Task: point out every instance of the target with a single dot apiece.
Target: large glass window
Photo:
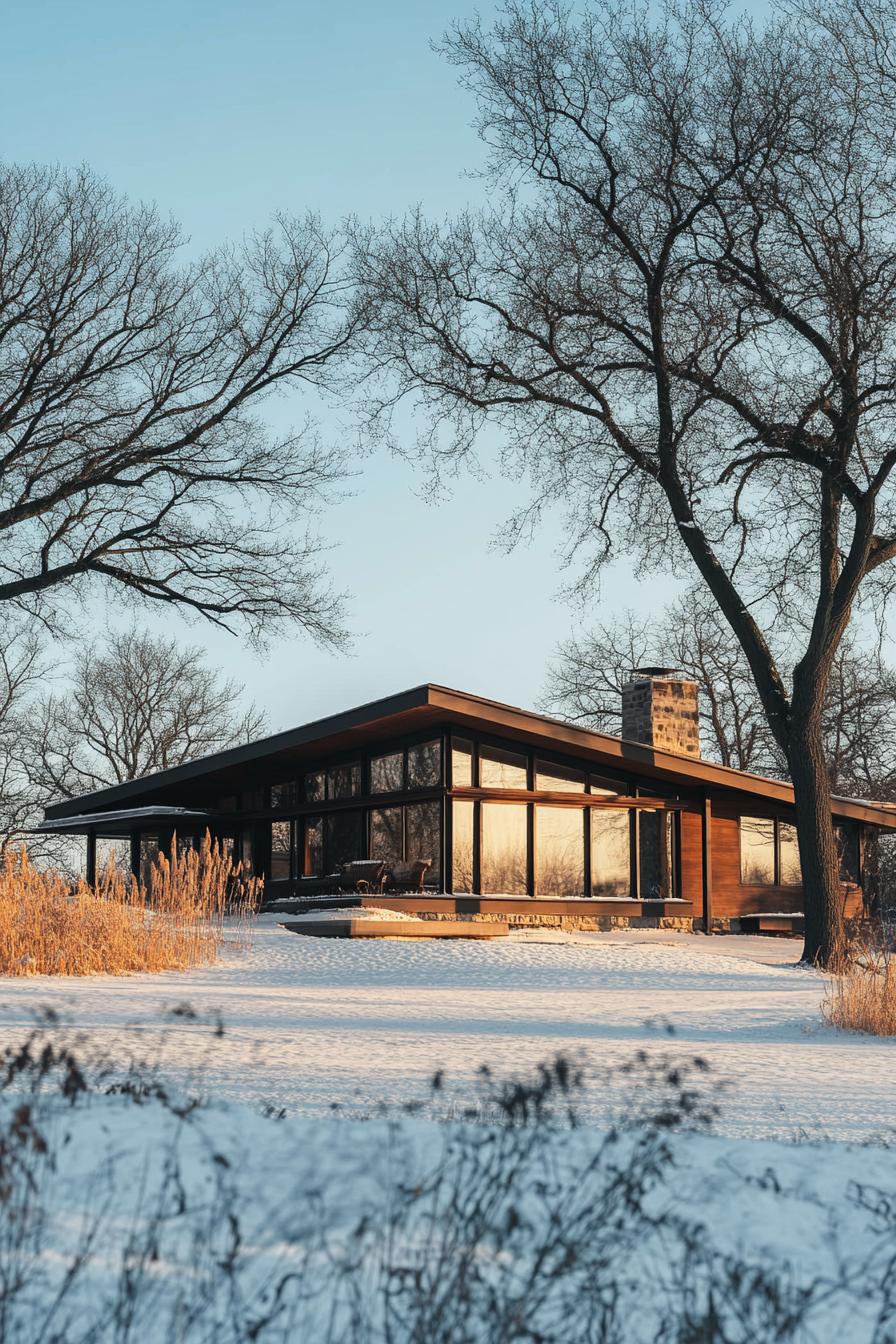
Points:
(424, 836)
(386, 834)
(606, 788)
(790, 873)
(343, 830)
(504, 848)
(848, 850)
(611, 871)
(757, 851)
(462, 844)
(425, 765)
(247, 853)
(461, 763)
(387, 773)
(558, 778)
(315, 790)
(284, 795)
(499, 769)
(655, 853)
(281, 850)
(313, 847)
(344, 781)
(559, 851)
(149, 852)
(253, 800)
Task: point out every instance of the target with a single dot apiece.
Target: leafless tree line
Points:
(119, 709)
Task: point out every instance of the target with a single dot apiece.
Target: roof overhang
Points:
(421, 708)
(123, 821)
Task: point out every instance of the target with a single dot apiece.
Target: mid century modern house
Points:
(520, 815)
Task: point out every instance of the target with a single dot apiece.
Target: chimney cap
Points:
(659, 672)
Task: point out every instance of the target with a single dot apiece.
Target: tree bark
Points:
(819, 860)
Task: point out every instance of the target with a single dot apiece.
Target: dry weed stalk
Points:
(862, 997)
(50, 926)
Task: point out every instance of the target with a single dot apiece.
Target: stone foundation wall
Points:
(585, 923)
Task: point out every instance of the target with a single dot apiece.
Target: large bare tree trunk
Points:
(822, 894)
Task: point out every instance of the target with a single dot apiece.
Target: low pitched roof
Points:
(428, 706)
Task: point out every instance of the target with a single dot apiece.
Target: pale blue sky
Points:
(223, 113)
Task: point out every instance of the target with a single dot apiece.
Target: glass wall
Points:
(560, 851)
(656, 860)
(313, 847)
(281, 851)
(387, 773)
(462, 843)
(503, 860)
(424, 836)
(611, 864)
(757, 851)
(343, 839)
(461, 763)
(790, 873)
(315, 786)
(386, 834)
(425, 765)
(344, 781)
(500, 769)
(558, 778)
(284, 795)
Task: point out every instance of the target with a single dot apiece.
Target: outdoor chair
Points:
(362, 875)
(408, 876)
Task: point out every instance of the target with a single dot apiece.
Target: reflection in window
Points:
(558, 779)
(284, 795)
(504, 848)
(314, 787)
(343, 838)
(790, 874)
(281, 850)
(313, 847)
(611, 872)
(847, 835)
(149, 852)
(387, 773)
(114, 853)
(655, 854)
(559, 851)
(246, 853)
(344, 781)
(461, 763)
(607, 788)
(462, 844)
(386, 834)
(424, 836)
(757, 851)
(500, 769)
(425, 765)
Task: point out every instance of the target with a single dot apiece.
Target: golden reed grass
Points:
(50, 926)
(863, 996)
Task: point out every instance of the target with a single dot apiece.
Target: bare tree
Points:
(130, 384)
(680, 306)
(587, 673)
(140, 704)
(23, 669)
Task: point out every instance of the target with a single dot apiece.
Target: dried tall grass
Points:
(863, 996)
(48, 926)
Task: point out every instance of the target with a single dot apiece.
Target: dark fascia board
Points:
(492, 714)
(319, 729)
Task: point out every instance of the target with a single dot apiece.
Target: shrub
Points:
(48, 926)
(863, 996)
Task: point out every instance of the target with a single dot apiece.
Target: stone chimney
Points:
(659, 708)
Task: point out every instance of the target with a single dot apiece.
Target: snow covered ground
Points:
(311, 1022)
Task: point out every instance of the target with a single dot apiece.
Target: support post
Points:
(706, 849)
(91, 859)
